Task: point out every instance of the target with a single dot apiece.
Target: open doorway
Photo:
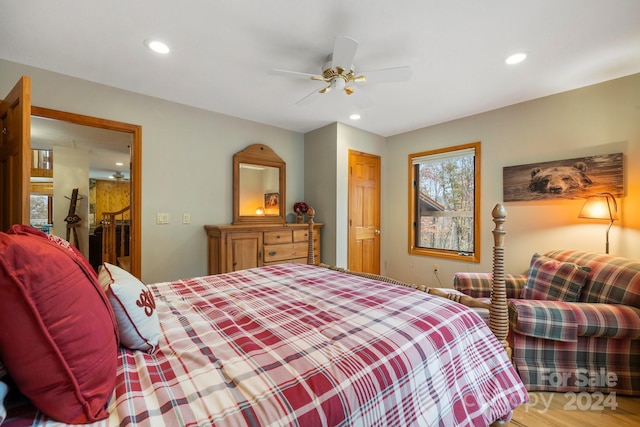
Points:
(102, 159)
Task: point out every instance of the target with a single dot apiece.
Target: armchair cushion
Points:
(613, 279)
(553, 280)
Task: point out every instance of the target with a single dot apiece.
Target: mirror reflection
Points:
(259, 190)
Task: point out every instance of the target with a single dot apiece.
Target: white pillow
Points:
(134, 307)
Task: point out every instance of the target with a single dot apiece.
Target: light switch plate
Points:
(162, 218)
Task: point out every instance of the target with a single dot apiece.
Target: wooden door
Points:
(244, 250)
(364, 212)
(15, 155)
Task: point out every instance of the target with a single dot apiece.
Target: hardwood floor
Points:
(579, 409)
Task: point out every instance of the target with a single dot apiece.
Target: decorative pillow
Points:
(75, 253)
(59, 338)
(554, 280)
(134, 307)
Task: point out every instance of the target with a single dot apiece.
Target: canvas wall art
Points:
(564, 179)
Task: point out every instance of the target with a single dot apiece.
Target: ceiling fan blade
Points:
(344, 50)
(387, 75)
(297, 75)
(312, 97)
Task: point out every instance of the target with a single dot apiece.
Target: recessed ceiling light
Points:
(355, 117)
(516, 58)
(156, 46)
(119, 164)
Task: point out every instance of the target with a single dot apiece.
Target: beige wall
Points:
(599, 119)
(327, 178)
(186, 162)
(320, 184)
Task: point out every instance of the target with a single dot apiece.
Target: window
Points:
(444, 194)
(41, 211)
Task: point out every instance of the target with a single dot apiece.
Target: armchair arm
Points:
(478, 285)
(566, 321)
(608, 320)
(552, 320)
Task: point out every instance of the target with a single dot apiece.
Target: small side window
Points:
(444, 194)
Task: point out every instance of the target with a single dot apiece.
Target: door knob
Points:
(377, 231)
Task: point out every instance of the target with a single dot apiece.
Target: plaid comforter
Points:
(302, 345)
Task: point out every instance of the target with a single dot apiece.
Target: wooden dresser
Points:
(238, 247)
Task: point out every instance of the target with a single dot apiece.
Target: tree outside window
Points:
(41, 207)
(444, 216)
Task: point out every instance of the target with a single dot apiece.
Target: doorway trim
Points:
(135, 170)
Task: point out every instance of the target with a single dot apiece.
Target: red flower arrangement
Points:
(300, 208)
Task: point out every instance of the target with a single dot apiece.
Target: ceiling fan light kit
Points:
(338, 72)
(118, 176)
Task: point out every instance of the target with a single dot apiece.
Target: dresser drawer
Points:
(301, 235)
(274, 253)
(277, 237)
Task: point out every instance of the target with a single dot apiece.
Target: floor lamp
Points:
(601, 206)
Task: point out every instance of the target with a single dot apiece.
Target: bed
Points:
(296, 344)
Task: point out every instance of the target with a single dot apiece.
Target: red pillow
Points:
(58, 338)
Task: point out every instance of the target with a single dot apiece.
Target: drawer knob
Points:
(272, 253)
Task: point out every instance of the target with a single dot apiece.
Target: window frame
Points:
(413, 212)
(49, 204)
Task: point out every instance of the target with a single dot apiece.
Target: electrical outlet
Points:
(436, 268)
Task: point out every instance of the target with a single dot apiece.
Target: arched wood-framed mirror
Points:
(135, 171)
(259, 186)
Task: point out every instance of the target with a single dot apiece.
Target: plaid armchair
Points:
(574, 321)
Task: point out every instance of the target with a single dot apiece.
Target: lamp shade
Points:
(600, 206)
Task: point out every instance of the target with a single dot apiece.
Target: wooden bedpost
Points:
(311, 259)
(498, 311)
(499, 314)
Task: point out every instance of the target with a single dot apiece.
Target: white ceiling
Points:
(222, 52)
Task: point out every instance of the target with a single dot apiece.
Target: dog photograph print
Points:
(564, 179)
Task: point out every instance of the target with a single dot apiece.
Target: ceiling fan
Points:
(339, 74)
(118, 176)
